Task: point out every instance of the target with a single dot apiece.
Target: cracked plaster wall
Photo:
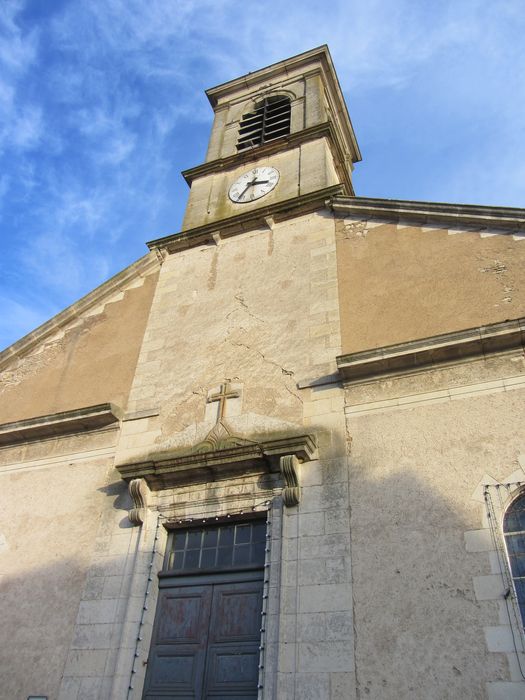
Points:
(252, 310)
(399, 282)
(261, 310)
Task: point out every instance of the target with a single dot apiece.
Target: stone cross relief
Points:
(221, 398)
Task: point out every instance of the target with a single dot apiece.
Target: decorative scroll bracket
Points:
(139, 492)
(290, 471)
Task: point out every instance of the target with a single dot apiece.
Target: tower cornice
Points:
(250, 220)
(326, 130)
(315, 58)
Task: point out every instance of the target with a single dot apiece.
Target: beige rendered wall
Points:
(90, 361)
(429, 613)
(53, 497)
(399, 283)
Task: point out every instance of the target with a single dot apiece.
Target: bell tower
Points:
(281, 139)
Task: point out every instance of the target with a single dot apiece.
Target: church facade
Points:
(281, 455)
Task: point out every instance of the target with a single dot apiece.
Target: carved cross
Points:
(224, 393)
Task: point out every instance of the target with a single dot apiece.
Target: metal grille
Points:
(270, 120)
(497, 502)
(514, 530)
(228, 546)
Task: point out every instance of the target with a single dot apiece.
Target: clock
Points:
(254, 184)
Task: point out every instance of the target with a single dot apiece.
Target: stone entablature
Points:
(498, 219)
(216, 459)
(441, 349)
(58, 424)
(246, 221)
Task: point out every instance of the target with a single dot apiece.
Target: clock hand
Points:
(245, 190)
(259, 182)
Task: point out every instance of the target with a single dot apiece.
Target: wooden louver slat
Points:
(270, 120)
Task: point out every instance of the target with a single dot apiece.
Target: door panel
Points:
(205, 643)
(232, 664)
(177, 658)
(236, 612)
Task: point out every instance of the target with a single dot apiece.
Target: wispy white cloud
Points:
(20, 119)
(18, 318)
(101, 105)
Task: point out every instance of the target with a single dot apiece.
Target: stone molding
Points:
(247, 221)
(290, 471)
(205, 463)
(139, 492)
(324, 130)
(448, 348)
(502, 219)
(58, 424)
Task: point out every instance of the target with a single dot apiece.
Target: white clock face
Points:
(254, 184)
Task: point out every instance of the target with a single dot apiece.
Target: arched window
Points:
(514, 531)
(269, 120)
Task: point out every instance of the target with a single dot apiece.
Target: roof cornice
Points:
(233, 225)
(508, 219)
(428, 353)
(214, 94)
(59, 424)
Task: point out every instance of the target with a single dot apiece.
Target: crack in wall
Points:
(238, 297)
(285, 372)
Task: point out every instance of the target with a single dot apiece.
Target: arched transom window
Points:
(514, 531)
(269, 120)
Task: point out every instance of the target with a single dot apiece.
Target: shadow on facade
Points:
(418, 627)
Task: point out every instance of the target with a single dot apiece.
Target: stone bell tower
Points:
(289, 119)
(237, 417)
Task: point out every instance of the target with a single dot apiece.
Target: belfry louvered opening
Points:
(269, 120)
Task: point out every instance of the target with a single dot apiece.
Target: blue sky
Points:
(102, 106)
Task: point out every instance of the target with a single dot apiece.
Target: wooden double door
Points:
(206, 638)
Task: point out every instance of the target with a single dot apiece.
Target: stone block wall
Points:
(53, 494)
(428, 600)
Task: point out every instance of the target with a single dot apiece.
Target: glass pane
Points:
(258, 553)
(243, 534)
(208, 558)
(222, 546)
(194, 539)
(515, 544)
(520, 589)
(177, 559)
(179, 540)
(210, 538)
(515, 517)
(517, 565)
(224, 557)
(191, 560)
(511, 523)
(226, 536)
(259, 532)
(241, 554)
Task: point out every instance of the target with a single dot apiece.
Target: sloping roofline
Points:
(140, 268)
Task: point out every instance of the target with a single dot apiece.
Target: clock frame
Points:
(254, 184)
